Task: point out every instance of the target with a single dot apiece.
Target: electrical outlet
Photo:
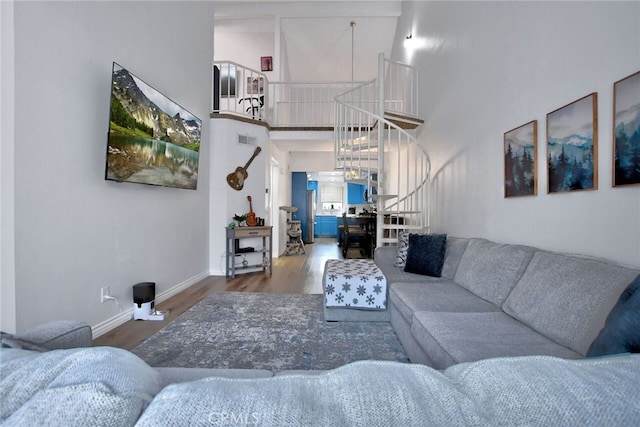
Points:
(104, 293)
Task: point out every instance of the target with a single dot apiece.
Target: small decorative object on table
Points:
(251, 216)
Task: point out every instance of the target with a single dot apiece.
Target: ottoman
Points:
(354, 290)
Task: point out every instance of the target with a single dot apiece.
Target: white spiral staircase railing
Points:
(375, 146)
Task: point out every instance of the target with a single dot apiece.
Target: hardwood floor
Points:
(291, 274)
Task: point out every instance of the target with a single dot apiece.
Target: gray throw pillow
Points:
(426, 254)
(403, 247)
(621, 332)
(9, 341)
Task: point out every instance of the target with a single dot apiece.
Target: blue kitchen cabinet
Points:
(355, 193)
(326, 226)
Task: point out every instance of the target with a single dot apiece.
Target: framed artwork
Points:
(572, 146)
(255, 85)
(266, 63)
(521, 161)
(626, 131)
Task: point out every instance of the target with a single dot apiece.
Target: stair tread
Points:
(360, 158)
(401, 227)
(361, 181)
(360, 147)
(383, 196)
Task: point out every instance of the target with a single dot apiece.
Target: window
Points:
(331, 193)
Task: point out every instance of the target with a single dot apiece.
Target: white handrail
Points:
(242, 91)
(400, 87)
(368, 145)
(239, 90)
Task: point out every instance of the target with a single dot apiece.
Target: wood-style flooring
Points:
(291, 274)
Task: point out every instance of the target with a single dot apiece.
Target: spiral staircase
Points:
(375, 146)
(374, 126)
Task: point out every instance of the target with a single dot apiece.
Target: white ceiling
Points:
(317, 35)
(317, 39)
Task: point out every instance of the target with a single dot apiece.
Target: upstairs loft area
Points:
(244, 94)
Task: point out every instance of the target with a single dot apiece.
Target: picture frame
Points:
(255, 85)
(520, 152)
(266, 63)
(572, 146)
(626, 131)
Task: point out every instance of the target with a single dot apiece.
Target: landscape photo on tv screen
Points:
(152, 140)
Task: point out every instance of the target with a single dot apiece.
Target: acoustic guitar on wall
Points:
(236, 179)
(252, 221)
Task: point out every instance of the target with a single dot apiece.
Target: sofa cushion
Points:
(439, 295)
(491, 270)
(59, 334)
(450, 338)
(532, 391)
(621, 332)
(175, 375)
(10, 341)
(455, 248)
(75, 387)
(426, 254)
(567, 297)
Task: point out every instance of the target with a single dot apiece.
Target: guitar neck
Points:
(255, 153)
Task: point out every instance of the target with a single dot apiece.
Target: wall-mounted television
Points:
(152, 140)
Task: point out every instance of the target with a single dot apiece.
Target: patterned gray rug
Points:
(266, 331)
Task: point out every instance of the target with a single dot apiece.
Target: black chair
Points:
(355, 237)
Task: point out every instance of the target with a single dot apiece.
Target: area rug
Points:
(266, 331)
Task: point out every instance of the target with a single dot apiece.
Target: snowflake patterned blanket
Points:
(354, 283)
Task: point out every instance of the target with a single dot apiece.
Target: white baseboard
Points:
(123, 317)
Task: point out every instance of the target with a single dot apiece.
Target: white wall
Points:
(498, 65)
(312, 161)
(245, 49)
(226, 156)
(7, 235)
(76, 232)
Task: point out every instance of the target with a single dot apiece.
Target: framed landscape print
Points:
(520, 161)
(626, 131)
(572, 146)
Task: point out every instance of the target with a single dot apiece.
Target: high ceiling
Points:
(317, 36)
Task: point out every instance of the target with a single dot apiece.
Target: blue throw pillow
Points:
(621, 332)
(426, 254)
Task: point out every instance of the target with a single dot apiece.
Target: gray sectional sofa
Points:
(105, 386)
(502, 327)
(496, 300)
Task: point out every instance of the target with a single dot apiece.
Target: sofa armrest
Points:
(385, 255)
(59, 334)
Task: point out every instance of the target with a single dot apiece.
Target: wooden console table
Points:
(263, 262)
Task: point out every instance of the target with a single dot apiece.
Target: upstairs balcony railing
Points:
(244, 92)
(400, 88)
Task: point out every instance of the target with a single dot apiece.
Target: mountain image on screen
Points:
(152, 140)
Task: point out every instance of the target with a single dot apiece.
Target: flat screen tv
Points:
(152, 140)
